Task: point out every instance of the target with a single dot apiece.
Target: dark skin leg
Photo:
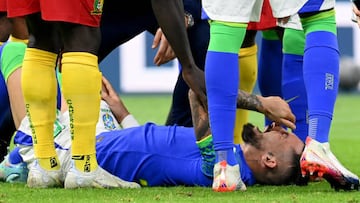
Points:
(5, 27)
(170, 16)
(19, 29)
(249, 39)
(250, 35)
(80, 38)
(42, 34)
(66, 36)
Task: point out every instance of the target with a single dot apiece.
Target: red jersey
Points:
(84, 12)
(2, 5)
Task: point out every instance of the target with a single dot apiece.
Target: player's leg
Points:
(321, 43)
(321, 51)
(7, 127)
(180, 112)
(293, 87)
(222, 79)
(247, 74)
(19, 30)
(5, 26)
(11, 169)
(121, 22)
(13, 57)
(81, 87)
(227, 31)
(40, 100)
(12, 104)
(270, 64)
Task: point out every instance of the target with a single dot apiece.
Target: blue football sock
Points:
(222, 79)
(222, 104)
(321, 77)
(227, 155)
(294, 92)
(14, 156)
(269, 68)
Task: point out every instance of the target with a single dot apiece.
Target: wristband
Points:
(129, 121)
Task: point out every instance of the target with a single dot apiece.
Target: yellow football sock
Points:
(39, 89)
(248, 74)
(81, 81)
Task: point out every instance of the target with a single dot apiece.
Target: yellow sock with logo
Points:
(38, 84)
(248, 74)
(81, 81)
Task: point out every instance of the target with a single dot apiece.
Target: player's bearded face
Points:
(250, 136)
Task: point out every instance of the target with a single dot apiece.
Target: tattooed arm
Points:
(200, 117)
(273, 107)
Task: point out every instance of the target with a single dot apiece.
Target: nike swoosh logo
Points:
(292, 99)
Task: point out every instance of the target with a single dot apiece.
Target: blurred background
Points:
(130, 67)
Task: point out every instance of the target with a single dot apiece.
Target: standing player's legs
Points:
(222, 79)
(40, 100)
(81, 85)
(293, 87)
(321, 71)
(247, 73)
(227, 30)
(321, 77)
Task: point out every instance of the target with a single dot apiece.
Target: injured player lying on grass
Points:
(155, 155)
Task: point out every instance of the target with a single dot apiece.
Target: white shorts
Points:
(283, 8)
(238, 11)
(293, 23)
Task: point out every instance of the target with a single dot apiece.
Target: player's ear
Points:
(269, 160)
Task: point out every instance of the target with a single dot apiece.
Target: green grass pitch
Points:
(345, 144)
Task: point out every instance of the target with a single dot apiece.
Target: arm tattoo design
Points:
(248, 101)
(200, 119)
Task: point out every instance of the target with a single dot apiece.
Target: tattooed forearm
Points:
(248, 101)
(199, 117)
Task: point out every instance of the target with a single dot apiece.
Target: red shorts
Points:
(84, 12)
(267, 20)
(2, 5)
